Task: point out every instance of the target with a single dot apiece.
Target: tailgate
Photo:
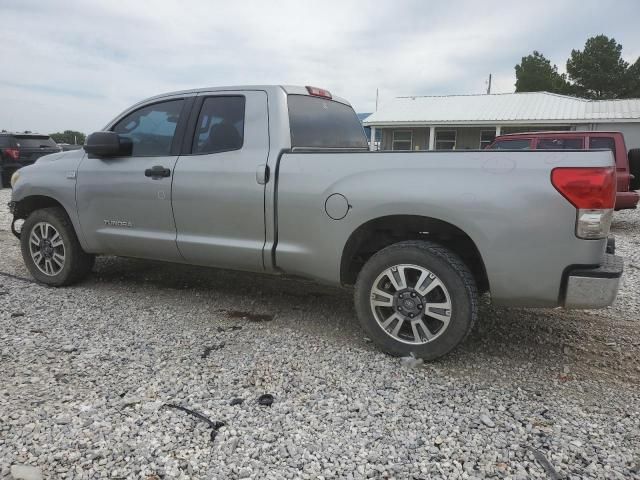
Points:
(30, 155)
(32, 147)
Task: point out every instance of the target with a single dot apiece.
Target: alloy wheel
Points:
(411, 304)
(47, 248)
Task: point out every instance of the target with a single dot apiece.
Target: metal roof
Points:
(503, 108)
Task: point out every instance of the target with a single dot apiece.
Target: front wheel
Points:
(50, 248)
(416, 298)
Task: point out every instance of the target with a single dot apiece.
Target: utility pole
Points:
(376, 99)
(489, 86)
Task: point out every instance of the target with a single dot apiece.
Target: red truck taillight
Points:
(12, 153)
(592, 190)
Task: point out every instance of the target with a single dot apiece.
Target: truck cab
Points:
(627, 163)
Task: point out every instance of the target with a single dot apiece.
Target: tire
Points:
(439, 277)
(634, 168)
(61, 261)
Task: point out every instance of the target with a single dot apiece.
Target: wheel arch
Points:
(27, 205)
(36, 201)
(378, 233)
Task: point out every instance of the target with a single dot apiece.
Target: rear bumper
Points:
(593, 287)
(626, 200)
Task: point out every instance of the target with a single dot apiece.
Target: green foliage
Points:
(535, 74)
(69, 136)
(598, 71)
(632, 83)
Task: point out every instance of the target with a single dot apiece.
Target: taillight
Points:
(319, 92)
(592, 190)
(12, 153)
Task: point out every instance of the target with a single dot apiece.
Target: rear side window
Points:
(220, 126)
(607, 143)
(35, 141)
(320, 123)
(512, 145)
(151, 128)
(560, 144)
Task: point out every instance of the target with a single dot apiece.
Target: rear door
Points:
(218, 187)
(124, 203)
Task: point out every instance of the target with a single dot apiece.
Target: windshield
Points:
(321, 123)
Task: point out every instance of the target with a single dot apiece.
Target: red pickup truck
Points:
(627, 164)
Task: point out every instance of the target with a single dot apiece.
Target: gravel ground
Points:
(86, 371)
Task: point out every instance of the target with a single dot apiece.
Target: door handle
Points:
(157, 171)
(262, 174)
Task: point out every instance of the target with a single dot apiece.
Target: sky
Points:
(76, 64)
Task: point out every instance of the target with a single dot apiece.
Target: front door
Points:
(124, 203)
(218, 189)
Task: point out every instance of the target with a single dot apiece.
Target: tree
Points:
(599, 70)
(536, 74)
(632, 82)
(69, 136)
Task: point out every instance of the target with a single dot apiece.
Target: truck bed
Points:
(522, 227)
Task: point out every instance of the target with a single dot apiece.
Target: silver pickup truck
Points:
(280, 179)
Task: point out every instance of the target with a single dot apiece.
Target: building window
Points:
(486, 138)
(402, 140)
(446, 140)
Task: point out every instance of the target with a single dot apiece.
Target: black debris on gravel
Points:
(208, 350)
(545, 464)
(236, 401)
(231, 328)
(215, 426)
(265, 399)
(252, 317)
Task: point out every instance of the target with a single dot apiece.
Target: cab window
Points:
(320, 123)
(151, 128)
(220, 126)
(607, 143)
(511, 145)
(560, 143)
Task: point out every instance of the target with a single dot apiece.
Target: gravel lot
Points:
(86, 370)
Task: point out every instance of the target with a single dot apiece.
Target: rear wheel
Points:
(416, 298)
(50, 248)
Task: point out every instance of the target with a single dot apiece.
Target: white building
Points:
(473, 121)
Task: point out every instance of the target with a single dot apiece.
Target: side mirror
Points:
(107, 144)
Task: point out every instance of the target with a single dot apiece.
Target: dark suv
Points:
(20, 149)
